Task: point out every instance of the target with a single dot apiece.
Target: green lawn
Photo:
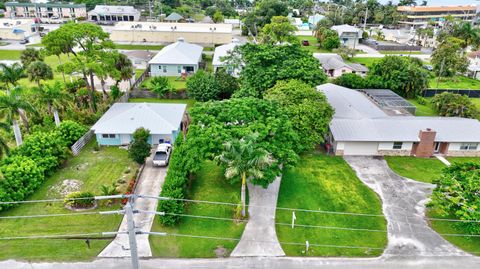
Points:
(10, 54)
(177, 82)
(138, 72)
(367, 61)
(405, 52)
(476, 101)
(463, 159)
(313, 47)
(90, 168)
(321, 182)
(457, 82)
(421, 169)
(138, 47)
(209, 185)
(423, 110)
(189, 102)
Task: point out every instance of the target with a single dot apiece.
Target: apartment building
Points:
(422, 15)
(45, 10)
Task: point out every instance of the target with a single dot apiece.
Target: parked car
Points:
(428, 67)
(162, 155)
(24, 41)
(305, 42)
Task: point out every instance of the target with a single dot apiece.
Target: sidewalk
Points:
(150, 183)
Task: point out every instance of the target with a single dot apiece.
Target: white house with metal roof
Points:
(175, 59)
(118, 124)
(349, 35)
(221, 52)
(360, 127)
(334, 66)
(103, 13)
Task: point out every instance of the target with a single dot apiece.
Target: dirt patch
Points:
(221, 252)
(65, 187)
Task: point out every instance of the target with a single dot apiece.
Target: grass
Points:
(209, 62)
(209, 185)
(177, 82)
(404, 52)
(10, 54)
(457, 82)
(314, 46)
(423, 110)
(138, 47)
(476, 101)
(138, 72)
(93, 169)
(322, 182)
(188, 102)
(367, 61)
(420, 169)
(463, 159)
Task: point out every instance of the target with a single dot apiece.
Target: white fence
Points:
(81, 142)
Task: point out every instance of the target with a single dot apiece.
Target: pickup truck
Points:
(162, 154)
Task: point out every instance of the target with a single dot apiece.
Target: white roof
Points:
(345, 28)
(180, 52)
(331, 61)
(357, 118)
(222, 51)
(178, 27)
(125, 118)
(102, 9)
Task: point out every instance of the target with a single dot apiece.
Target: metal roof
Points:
(177, 27)
(222, 51)
(61, 5)
(331, 61)
(125, 118)
(174, 17)
(345, 28)
(180, 52)
(102, 9)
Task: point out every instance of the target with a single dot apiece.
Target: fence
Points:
(383, 45)
(140, 79)
(469, 93)
(77, 147)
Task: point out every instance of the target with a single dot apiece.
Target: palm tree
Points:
(3, 144)
(11, 74)
(12, 107)
(244, 159)
(53, 96)
(124, 67)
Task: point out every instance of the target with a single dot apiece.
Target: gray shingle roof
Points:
(180, 52)
(331, 61)
(174, 17)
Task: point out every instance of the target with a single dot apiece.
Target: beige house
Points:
(45, 10)
(164, 32)
(16, 29)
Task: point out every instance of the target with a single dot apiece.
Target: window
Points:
(179, 69)
(468, 146)
(108, 135)
(397, 145)
(164, 69)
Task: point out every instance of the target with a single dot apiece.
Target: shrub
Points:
(421, 100)
(226, 83)
(203, 87)
(139, 148)
(21, 176)
(71, 131)
(160, 86)
(350, 80)
(454, 105)
(115, 92)
(85, 199)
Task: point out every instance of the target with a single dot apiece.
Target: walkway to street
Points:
(150, 183)
(260, 237)
(403, 202)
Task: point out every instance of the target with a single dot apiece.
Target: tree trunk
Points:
(24, 118)
(243, 192)
(56, 117)
(17, 132)
(92, 93)
(104, 92)
(63, 73)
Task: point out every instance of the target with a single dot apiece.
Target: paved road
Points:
(260, 230)
(263, 262)
(150, 183)
(404, 208)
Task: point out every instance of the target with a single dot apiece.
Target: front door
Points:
(436, 147)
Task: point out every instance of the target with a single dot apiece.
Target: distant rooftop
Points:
(174, 26)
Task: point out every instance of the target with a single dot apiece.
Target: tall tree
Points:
(38, 71)
(449, 58)
(124, 67)
(30, 55)
(14, 106)
(52, 96)
(11, 74)
(58, 43)
(279, 31)
(242, 158)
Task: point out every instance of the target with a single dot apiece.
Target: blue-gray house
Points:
(118, 124)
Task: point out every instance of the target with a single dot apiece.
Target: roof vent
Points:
(181, 39)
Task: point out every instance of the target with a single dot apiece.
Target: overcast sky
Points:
(441, 2)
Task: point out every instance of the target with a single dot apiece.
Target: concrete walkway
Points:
(263, 263)
(404, 208)
(150, 183)
(260, 230)
(443, 160)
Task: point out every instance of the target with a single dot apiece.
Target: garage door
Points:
(360, 148)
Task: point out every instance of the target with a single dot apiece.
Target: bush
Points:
(203, 87)
(421, 100)
(71, 131)
(350, 80)
(85, 199)
(160, 85)
(227, 84)
(115, 92)
(139, 148)
(454, 105)
(21, 176)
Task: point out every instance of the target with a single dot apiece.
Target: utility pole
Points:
(365, 20)
(132, 235)
(441, 71)
(150, 8)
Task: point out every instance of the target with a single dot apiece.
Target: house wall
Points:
(108, 141)
(132, 35)
(125, 139)
(349, 40)
(454, 150)
(371, 148)
(172, 70)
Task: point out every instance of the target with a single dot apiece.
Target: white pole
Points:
(132, 235)
(56, 117)
(293, 219)
(307, 245)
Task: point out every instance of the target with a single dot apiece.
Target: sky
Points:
(442, 2)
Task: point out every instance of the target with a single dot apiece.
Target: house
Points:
(220, 53)
(360, 127)
(16, 29)
(207, 19)
(139, 58)
(45, 10)
(174, 17)
(176, 59)
(165, 32)
(236, 23)
(102, 13)
(349, 35)
(314, 19)
(423, 15)
(334, 66)
(117, 125)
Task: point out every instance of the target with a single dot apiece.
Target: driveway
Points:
(150, 183)
(404, 208)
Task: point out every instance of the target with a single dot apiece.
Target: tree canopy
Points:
(454, 105)
(279, 31)
(449, 58)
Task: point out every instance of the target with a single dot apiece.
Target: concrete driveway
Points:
(404, 208)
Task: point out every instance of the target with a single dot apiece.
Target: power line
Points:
(49, 215)
(59, 200)
(56, 236)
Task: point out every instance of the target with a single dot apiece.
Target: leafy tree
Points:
(38, 71)
(350, 80)
(10, 75)
(202, 86)
(456, 194)
(217, 16)
(52, 96)
(30, 55)
(139, 148)
(328, 38)
(449, 59)
(160, 85)
(263, 65)
(242, 158)
(227, 84)
(262, 14)
(403, 75)
(469, 34)
(454, 105)
(279, 31)
(71, 131)
(307, 108)
(58, 43)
